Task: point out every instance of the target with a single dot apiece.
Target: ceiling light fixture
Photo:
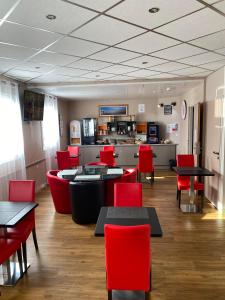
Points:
(168, 89)
(144, 62)
(51, 17)
(153, 10)
(97, 76)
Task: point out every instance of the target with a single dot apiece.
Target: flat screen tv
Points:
(33, 106)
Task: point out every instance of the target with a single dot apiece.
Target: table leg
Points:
(191, 207)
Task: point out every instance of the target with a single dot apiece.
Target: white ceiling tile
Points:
(214, 65)
(73, 46)
(69, 71)
(221, 51)
(148, 42)
(171, 66)
(212, 41)
(89, 64)
(114, 55)
(25, 36)
(178, 52)
(144, 61)
(6, 64)
(220, 6)
(163, 75)
(201, 74)
(138, 11)
(34, 67)
(99, 5)
(107, 30)
(188, 71)
(121, 77)
(98, 75)
(118, 69)
(5, 6)
(52, 58)
(142, 73)
(191, 26)
(201, 58)
(16, 52)
(52, 78)
(22, 74)
(68, 16)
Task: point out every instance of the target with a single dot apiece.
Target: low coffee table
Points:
(128, 216)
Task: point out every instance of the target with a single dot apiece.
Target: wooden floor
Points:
(188, 262)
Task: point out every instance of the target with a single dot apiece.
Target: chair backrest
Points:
(185, 160)
(107, 157)
(145, 164)
(127, 250)
(73, 150)
(128, 194)
(109, 148)
(63, 160)
(60, 192)
(144, 147)
(22, 190)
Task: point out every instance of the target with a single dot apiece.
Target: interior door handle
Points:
(217, 153)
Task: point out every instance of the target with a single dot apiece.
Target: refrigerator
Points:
(75, 132)
(89, 131)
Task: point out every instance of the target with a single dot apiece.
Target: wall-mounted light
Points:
(160, 105)
(173, 103)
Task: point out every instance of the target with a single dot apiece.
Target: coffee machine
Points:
(89, 131)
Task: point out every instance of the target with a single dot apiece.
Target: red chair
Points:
(63, 160)
(59, 188)
(107, 158)
(74, 151)
(130, 175)
(23, 190)
(7, 248)
(127, 251)
(183, 182)
(109, 148)
(145, 164)
(144, 147)
(128, 194)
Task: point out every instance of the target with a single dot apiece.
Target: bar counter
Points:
(164, 153)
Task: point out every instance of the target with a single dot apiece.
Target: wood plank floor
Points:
(188, 262)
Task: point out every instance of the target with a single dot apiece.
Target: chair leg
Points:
(177, 194)
(202, 201)
(152, 177)
(179, 198)
(20, 260)
(24, 247)
(35, 238)
(146, 295)
(109, 295)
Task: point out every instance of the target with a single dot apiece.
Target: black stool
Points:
(87, 198)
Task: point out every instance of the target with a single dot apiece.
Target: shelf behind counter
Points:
(164, 153)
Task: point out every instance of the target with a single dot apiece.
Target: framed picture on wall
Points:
(167, 109)
(113, 110)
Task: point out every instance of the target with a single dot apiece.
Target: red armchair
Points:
(63, 160)
(107, 158)
(23, 190)
(183, 182)
(145, 164)
(60, 192)
(127, 194)
(109, 148)
(74, 151)
(127, 251)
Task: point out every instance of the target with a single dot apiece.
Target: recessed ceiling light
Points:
(37, 67)
(153, 10)
(144, 62)
(51, 17)
(168, 88)
(97, 76)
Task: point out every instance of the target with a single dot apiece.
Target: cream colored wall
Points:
(214, 139)
(63, 108)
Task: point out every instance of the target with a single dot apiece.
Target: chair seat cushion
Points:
(146, 171)
(185, 185)
(20, 232)
(7, 248)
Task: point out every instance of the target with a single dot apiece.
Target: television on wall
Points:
(33, 106)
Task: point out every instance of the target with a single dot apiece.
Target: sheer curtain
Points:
(12, 162)
(50, 130)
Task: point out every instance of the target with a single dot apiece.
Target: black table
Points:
(128, 216)
(136, 155)
(192, 172)
(115, 155)
(11, 213)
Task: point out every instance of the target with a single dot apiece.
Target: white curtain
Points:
(12, 162)
(50, 130)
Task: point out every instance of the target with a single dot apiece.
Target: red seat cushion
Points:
(185, 185)
(7, 248)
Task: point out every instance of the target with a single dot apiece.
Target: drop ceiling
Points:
(109, 41)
